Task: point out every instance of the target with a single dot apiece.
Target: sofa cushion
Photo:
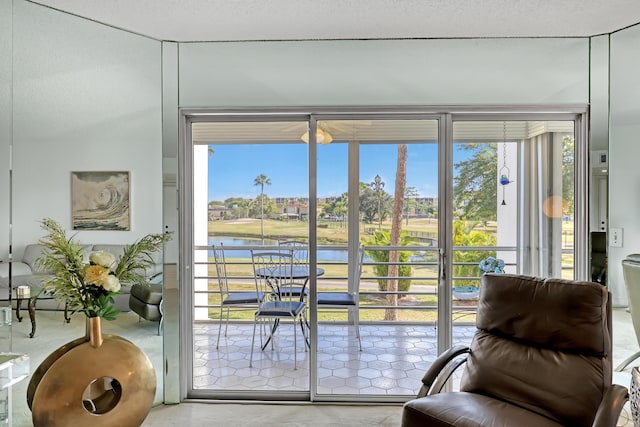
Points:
(115, 249)
(30, 257)
(118, 250)
(35, 281)
(17, 269)
(22, 274)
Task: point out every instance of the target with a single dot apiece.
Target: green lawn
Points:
(336, 233)
(328, 232)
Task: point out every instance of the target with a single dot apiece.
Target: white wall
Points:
(86, 97)
(170, 148)
(599, 129)
(384, 72)
(5, 121)
(599, 92)
(624, 152)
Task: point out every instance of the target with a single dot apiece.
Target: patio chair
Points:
(540, 357)
(346, 300)
(299, 250)
(273, 276)
(231, 301)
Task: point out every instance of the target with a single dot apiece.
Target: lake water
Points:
(323, 254)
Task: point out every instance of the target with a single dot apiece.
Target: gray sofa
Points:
(26, 271)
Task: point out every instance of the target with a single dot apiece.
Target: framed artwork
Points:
(100, 200)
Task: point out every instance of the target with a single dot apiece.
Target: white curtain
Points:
(542, 225)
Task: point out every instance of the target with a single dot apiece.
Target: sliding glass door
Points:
(392, 216)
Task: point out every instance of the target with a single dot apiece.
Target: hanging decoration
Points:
(504, 170)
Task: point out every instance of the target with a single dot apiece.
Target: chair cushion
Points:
(280, 309)
(462, 409)
(144, 310)
(243, 298)
(292, 290)
(149, 294)
(573, 319)
(633, 257)
(335, 298)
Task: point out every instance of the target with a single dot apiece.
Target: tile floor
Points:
(393, 360)
(339, 375)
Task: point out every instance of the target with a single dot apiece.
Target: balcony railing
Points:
(416, 296)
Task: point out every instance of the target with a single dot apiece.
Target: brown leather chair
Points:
(541, 357)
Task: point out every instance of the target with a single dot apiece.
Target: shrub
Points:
(382, 238)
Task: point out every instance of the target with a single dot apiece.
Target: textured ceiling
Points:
(227, 20)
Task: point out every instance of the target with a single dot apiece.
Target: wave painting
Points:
(100, 200)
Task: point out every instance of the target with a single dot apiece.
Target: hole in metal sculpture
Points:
(102, 395)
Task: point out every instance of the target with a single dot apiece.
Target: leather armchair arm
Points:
(609, 410)
(441, 369)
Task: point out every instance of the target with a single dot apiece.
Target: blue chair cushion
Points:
(335, 298)
(280, 309)
(243, 298)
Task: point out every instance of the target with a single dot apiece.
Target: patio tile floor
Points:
(392, 361)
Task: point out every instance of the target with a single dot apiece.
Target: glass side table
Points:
(31, 300)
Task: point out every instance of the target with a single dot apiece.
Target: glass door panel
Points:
(250, 195)
(513, 204)
(396, 283)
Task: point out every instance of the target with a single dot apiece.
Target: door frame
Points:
(180, 347)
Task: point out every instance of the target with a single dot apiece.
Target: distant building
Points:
(429, 201)
(293, 210)
(216, 213)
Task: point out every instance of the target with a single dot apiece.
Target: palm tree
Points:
(396, 229)
(410, 193)
(261, 180)
(378, 186)
(244, 205)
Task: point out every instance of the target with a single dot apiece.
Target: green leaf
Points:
(65, 259)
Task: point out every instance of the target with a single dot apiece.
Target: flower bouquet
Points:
(90, 287)
(491, 265)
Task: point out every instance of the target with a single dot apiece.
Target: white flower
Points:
(103, 258)
(111, 283)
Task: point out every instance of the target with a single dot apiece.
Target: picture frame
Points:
(100, 200)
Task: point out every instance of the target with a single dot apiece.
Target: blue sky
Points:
(233, 169)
